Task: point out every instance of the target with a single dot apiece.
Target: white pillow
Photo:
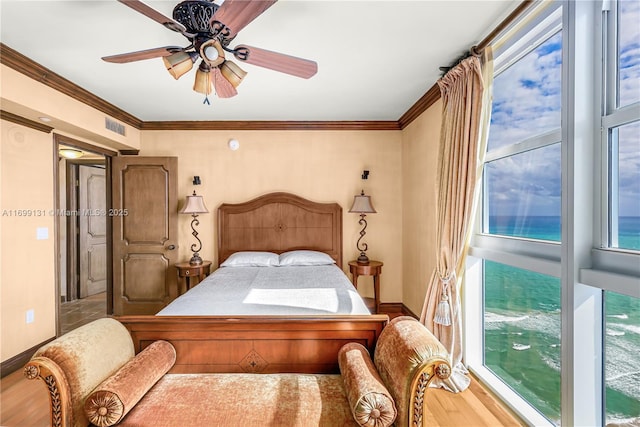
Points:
(251, 259)
(294, 258)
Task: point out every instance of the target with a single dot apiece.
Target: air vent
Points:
(114, 126)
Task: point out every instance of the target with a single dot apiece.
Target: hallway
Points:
(76, 313)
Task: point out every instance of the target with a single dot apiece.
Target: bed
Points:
(248, 334)
(279, 254)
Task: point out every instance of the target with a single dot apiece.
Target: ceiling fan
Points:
(210, 28)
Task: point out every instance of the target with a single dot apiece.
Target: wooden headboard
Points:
(280, 222)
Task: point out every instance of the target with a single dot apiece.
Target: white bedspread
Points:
(270, 291)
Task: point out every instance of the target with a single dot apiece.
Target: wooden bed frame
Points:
(275, 222)
(256, 344)
(280, 222)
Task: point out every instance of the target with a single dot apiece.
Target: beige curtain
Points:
(466, 109)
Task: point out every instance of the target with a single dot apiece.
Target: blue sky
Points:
(527, 102)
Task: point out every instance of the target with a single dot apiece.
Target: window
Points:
(555, 258)
(622, 366)
(624, 187)
(522, 333)
(628, 43)
(521, 207)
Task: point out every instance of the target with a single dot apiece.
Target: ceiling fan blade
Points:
(224, 89)
(277, 61)
(237, 14)
(142, 54)
(150, 12)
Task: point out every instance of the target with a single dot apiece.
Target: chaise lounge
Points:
(94, 378)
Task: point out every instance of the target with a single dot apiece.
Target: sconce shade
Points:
(194, 205)
(203, 83)
(362, 204)
(179, 63)
(232, 72)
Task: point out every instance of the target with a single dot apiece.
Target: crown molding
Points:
(15, 60)
(10, 117)
(271, 125)
(421, 105)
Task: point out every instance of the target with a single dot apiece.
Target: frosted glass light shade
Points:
(178, 64)
(203, 83)
(70, 153)
(232, 72)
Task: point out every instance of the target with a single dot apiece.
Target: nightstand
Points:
(187, 271)
(374, 268)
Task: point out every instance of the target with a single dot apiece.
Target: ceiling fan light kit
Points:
(180, 63)
(232, 72)
(210, 29)
(211, 52)
(202, 83)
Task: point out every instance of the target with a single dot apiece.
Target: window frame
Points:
(585, 266)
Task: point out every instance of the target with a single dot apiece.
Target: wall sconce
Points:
(362, 205)
(194, 206)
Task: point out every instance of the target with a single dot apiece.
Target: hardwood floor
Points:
(25, 403)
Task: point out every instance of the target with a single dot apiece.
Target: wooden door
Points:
(145, 210)
(92, 217)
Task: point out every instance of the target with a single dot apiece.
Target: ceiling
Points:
(375, 58)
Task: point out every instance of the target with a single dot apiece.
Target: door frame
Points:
(73, 237)
(108, 154)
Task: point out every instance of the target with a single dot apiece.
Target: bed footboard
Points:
(256, 344)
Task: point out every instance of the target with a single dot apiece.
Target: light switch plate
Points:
(42, 233)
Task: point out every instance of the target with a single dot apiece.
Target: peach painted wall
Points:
(27, 263)
(420, 142)
(30, 99)
(323, 166)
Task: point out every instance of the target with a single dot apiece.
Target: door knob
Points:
(171, 247)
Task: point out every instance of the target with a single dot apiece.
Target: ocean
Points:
(522, 326)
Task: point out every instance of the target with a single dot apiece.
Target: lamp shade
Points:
(179, 63)
(203, 83)
(232, 72)
(194, 205)
(362, 204)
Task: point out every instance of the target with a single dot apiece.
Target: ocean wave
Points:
(619, 375)
(619, 316)
(551, 362)
(629, 328)
(490, 317)
(613, 333)
(520, 347)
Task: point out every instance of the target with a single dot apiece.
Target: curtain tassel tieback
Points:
(443, 311)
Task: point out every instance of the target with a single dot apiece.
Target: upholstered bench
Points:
(93, 377)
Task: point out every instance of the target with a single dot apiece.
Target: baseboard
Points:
(18, 361)
(396, 307)
(406, 310)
